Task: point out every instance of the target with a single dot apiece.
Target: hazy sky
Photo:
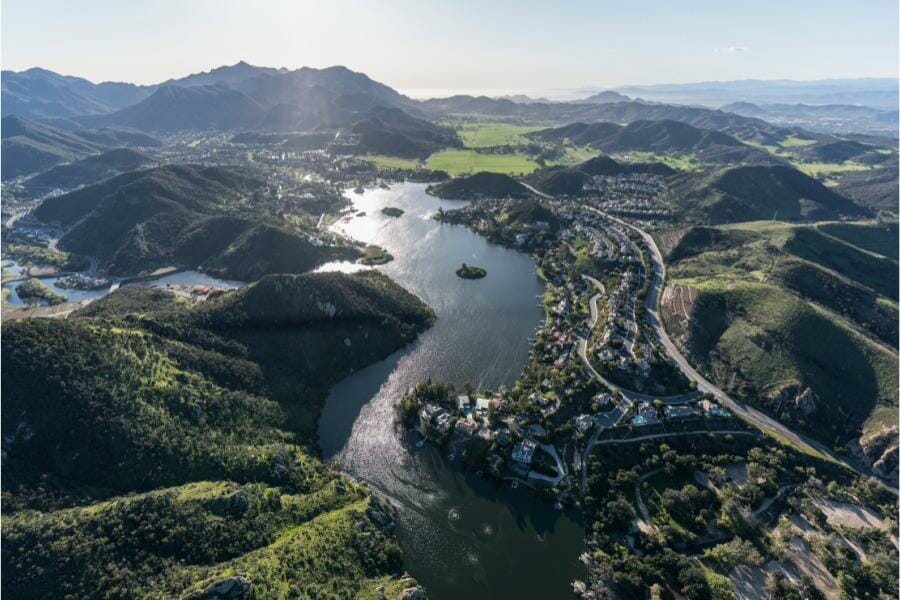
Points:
(491, 46)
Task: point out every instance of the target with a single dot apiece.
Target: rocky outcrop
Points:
(235, 587)
(382, 514)
(795, 397)
(881, 451)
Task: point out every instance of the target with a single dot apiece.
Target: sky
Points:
(425, 47)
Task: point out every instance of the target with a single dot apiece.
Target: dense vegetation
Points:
(162, 451)
(185, 215)
(480, 185)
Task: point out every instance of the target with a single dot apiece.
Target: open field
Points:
(682, 162)
(818, 169)
(484, 134)
(457, 162)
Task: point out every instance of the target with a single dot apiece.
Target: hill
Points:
(178, 445)
(392, 132)
(665, 136)
(87, 171)
(29, 147)
(877, 189)
(480, 185)
(755, 193)
(835, 151)
(184, 215)
(38, 93)
(794, 321)
(570, 181)
(606, 97)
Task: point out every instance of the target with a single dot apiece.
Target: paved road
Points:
(746, 412)
(656, 436)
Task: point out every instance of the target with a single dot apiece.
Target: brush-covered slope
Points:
(183, 215)
(570, 181)
(175, 443)
(30, 147)
(87, 171)
(480, 185)
(791, 320)
(393, 132)
(754, 193)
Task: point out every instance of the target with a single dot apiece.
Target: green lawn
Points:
(793, 141)
(391, 162)
(682, 162)
(484, 134)
(576, 154)
(814, 169)
(457, 162)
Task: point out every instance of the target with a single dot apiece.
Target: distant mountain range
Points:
(874, 92)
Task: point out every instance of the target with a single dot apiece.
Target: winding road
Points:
(749, 414)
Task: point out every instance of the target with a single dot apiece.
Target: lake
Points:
(462, 536)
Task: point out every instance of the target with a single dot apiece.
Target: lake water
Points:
(189, 277)
(462, 536)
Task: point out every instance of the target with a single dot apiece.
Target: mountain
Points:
(522, 99)
(659, 137)
(39, 93)
(752, 193)
(184, 215)
(744, 128)
(480, 185)
(835, 151)
(391, 131)
(178, 443)
(224, 75)
(606, 97)
(570, 181)
(87, 171)
(229, 97)
(29, 147)
(176, 108)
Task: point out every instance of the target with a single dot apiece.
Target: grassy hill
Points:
(480, 185)
(177, 443)
(185, 215)
(755, 193)
(793, 321)
(570, 181)
(392, 132)
(87, 171)
(30, 147)
(663, 136)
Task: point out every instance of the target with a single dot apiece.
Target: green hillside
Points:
(786, 321)
(161, 450)
(750, 193)
(186, 215)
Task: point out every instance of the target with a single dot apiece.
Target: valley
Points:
(276, 332)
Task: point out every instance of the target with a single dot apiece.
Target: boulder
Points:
(235, 587)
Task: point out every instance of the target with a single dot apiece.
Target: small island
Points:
(33, 291)
(392, 211)
(470, 272)
(375, 255)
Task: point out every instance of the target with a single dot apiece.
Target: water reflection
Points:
(462, 535)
